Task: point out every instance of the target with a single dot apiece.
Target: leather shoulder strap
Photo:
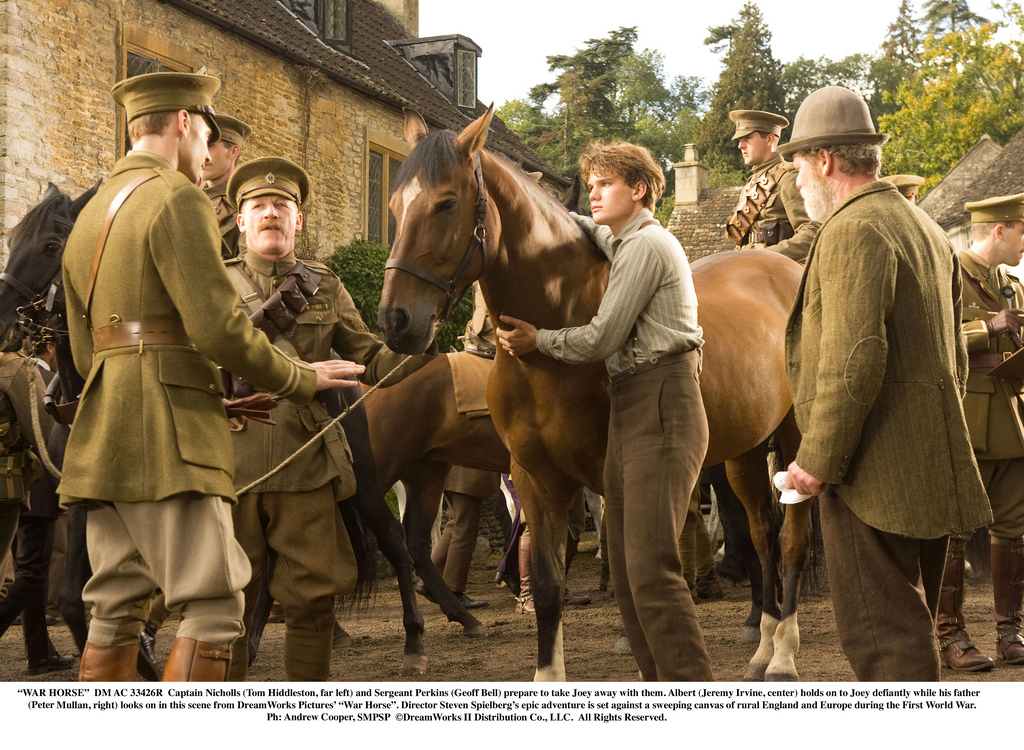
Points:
(989, 301)
(101, 241)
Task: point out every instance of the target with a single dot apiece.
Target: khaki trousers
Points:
(885, 592)
(184, 546)
(305, 537)
(453, 552)
(657, 439)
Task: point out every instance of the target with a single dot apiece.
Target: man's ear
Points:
(298, 222)
(639, 191)
(240, 221)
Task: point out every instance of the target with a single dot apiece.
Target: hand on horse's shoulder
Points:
(518, 340)
(599, 234)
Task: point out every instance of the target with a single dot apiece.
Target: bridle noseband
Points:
(477, 242)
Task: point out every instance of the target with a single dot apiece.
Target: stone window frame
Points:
(391, 149)
(145, 44)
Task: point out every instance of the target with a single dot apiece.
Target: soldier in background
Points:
(224, 155)
(771, 211)
(907, 184)
(992, 317)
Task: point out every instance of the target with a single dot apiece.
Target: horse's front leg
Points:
(547, 518)
(795, 540)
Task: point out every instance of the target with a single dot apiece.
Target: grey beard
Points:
(819, 198)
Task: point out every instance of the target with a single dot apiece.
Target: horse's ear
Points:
(79, 203)
(52, 191)
(536, 175)
(571, 200)
(415, 127)
(473, 137)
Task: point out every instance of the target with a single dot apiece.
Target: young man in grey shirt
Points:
(646, 331)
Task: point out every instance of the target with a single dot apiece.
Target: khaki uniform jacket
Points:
(232, 240)
(875, 359)
(16, 433)
(990, 402)
(330, 321)
(784, 204)
(151, 422)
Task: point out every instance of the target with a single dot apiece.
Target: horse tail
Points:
(365, 551)
(813, 579)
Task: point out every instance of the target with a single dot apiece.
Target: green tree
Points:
(803, 76)
(950, 15)
(360, 266)
(898, 62)
(970, 83)
(751, 79)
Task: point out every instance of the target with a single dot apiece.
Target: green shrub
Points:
(360, 265)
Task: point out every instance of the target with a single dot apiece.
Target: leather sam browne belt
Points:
(982, 360)
(139, 333)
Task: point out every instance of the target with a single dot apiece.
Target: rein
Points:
(477, 242)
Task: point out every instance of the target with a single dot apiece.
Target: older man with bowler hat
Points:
(150, 309)
(770, 213)
(992, 318)
(877, 366)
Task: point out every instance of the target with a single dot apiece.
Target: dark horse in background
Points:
(464, 214)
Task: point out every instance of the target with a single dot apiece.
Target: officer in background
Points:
(223, 159)
(770, 213)
(292, 516)
(992, 317)
(907, 184)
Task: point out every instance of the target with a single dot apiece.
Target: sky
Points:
(517, 36)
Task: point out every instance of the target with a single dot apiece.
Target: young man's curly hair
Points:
(633, 163)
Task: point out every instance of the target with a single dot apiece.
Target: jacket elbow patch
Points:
(865, 368)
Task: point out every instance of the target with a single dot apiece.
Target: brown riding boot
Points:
(108, 663)
(955, 646)
(1008, 592)
(524, 602)
(571, 545)
(197, 661)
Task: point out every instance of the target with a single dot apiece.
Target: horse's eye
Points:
(53, 247)
(446, 205)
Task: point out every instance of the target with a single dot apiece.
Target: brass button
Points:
(115, 318)
(213, 387)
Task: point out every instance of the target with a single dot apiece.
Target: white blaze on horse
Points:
(475, 216)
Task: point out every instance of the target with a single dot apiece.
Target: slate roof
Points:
(944, 198)
(1004, 176)
(700, 226)
(373, 68)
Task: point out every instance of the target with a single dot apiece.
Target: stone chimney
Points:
(691, 176)
(407, 13)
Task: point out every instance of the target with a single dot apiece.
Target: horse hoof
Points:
(755, 673)
(781, 677)
(749, 634)
(413, 665)
(475, 631)
(621, 647)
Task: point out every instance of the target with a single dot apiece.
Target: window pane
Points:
(335, 19)
(467, 79)
(375, 198)
(138, 65)
(393, 165)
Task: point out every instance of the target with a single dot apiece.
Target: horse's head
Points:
(440, 208)
(36, 248)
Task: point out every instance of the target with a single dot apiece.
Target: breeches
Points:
(1004, 483)
(657, 439)
(453, 552)
(885, 591)
(184, 546)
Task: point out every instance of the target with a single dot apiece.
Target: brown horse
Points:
(462, 213)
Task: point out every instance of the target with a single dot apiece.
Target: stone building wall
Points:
(59, 123)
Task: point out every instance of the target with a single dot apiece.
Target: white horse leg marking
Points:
(787, 643)
(762, 658)
(554, 672)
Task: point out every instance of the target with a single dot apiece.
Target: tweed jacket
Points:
(329, 322)
(784, 204)
(151, 422)
(876, 363)
(990, 402)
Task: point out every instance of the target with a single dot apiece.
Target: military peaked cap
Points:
(752, 121)
(169, 92)
(270, 175)
(907, 184)
(232, 130)
(1001, 208)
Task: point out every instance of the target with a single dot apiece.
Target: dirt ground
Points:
(508, 652)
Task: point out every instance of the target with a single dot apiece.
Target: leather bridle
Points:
(478, 241)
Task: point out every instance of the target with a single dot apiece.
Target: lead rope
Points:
(48, 463)
(37, 426)
(323, 431)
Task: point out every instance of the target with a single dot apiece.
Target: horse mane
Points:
(35, 221)
(432, 160)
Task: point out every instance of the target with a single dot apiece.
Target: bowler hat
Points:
(270, 175)
(831, 116)
(169, 92)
